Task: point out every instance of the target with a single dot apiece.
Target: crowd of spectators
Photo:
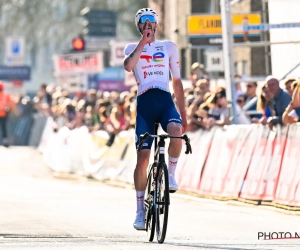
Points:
(267, 105)
(115, 111)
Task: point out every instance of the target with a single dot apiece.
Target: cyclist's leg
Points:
(171, 123)
(144, 123)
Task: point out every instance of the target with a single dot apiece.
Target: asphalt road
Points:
(41, 211)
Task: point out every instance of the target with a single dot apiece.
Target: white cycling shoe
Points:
(139, 223)
(173, 187)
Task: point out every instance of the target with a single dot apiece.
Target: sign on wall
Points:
(78, 63)
(15, 73)
(214, 60)
(211, 25)
(14, 51)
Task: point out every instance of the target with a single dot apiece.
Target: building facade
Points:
(193, 47)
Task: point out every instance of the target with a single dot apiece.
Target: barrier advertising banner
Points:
(189, 173)
(258, 164)
(240, 161)
(288, 181)
(248, 162)
(272, 174)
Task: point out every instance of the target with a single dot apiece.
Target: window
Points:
(201, 6)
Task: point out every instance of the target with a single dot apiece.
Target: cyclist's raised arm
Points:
(177, 83)
(132, 51)
(132, 54)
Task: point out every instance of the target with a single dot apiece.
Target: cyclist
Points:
(151, 61)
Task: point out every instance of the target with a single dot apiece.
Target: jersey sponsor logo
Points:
(157, 57)
(147, 67)
(152, 73)
(155, 65)
(159, 48)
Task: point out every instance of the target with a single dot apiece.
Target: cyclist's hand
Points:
(147, 36)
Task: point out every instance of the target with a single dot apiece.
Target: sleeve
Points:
(173, 60)
(129, 48)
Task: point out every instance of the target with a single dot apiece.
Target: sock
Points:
(140, 200)
(172, 165)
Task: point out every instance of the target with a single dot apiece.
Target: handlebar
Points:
(184, 137)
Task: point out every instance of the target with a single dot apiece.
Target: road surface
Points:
(41, 211)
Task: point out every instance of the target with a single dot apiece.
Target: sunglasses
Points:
(250, 86)
(240, 101)
(150, 18)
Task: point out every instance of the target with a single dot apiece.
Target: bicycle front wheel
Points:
(149, 205)
(162, 202)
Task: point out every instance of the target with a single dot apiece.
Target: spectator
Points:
(203, 86)
(241, 100)
(241, 115)
(91, 98)
(117, 122)
(196, 119)
(6, 105)
(281, 100)
(197, 73)
(219, 115)
(288, 85)
(292, 113)
(264, 105)
(251, 101)
(43, 101)
(238, 88)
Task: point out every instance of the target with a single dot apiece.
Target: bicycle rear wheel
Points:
(149, 205)
(162, 202)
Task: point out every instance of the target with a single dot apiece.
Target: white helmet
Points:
(143, 12)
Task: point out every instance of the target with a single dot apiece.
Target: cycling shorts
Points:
(154, 106)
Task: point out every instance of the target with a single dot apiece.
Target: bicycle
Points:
(157, 198)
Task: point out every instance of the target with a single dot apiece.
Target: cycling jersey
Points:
(152, 76)
(156, 61)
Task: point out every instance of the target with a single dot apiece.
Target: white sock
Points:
(172, 165)
(140, 200)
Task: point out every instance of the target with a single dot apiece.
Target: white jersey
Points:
(155, 63)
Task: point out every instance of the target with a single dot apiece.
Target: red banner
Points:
(78, 63)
